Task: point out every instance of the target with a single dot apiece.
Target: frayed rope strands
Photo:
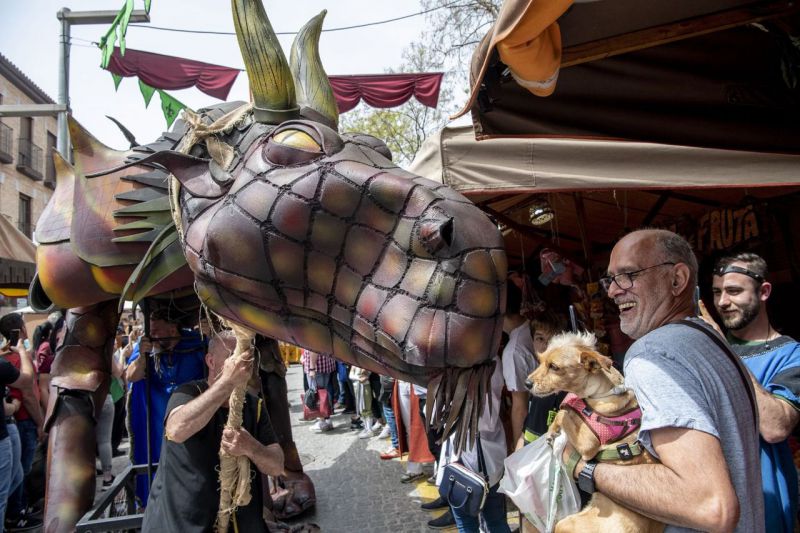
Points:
(234, 472)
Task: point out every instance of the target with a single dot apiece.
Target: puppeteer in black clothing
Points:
(185, 492)
(180, 499)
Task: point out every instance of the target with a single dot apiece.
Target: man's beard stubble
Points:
(743, 319)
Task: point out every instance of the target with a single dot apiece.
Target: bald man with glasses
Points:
(698, 411)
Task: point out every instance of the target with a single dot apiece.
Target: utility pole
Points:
(69, 18)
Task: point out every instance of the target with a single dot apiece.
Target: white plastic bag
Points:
(539, 485)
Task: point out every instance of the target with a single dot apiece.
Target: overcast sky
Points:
(29, 37)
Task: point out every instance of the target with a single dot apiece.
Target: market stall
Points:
(597, 118)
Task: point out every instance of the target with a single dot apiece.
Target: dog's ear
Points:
(593, 361)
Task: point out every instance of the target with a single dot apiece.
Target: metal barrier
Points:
(116, 509)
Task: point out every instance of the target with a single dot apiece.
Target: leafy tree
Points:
(454, 30)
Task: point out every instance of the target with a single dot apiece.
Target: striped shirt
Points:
(325, 363)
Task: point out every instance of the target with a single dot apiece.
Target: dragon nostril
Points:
(529, 383)
(436, 234)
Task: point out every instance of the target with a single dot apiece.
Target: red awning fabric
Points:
(168, 72)
(386, 90)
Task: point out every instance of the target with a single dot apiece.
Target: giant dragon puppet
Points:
(280, 224)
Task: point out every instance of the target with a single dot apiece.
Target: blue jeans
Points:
(10, 467)
(494, 515)
(325, 381)
(17, 502)
(6, 470)
(388, 415)
(16, 476)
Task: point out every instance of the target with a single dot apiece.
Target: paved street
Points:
(355, 489)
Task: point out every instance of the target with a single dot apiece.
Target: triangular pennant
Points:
(170, 106)
(117, 80)
(147, 92)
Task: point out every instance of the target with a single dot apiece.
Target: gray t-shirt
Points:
(682, 379)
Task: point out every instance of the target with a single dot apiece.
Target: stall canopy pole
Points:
(587, 247)
(147, 406)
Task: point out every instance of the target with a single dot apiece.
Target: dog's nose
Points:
(529, 383)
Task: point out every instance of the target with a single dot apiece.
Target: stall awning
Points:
(17, 260)
(531, 165)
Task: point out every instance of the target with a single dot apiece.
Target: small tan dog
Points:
(599, 417)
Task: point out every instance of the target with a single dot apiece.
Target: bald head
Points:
(659, 287)
(220, 347)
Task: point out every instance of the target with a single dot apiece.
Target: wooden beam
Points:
(523, 228)
(689, 198)
(677, 31)
(653, 213)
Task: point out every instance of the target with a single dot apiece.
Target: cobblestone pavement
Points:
(356, 491)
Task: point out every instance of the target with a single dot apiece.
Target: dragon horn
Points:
(270, 78)
(314, 88)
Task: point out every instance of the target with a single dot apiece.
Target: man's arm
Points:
(777, 418)
(691, 487)
(268, 459)
(186, 420)
(29, 399)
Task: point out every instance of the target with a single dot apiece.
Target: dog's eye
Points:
(552, 366)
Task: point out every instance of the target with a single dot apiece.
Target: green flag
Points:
(117, 80)
(170, 106)
(147, 92)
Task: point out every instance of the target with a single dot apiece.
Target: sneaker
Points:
(410, 478)
(438, 503)
(356, 424)
(431, 480)
(316, 426)
(324, 425)
(365, 434)
(24, 523)
(376, 427)
(443, 522)
(107, 484)
(385, 433)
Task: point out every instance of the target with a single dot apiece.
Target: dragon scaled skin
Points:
(286, 227)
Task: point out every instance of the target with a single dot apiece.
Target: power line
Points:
(342, 28)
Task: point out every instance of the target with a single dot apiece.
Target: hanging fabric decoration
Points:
(117, 80)
(147, 92)
(168, 72)
(170, 106)
(386, 90)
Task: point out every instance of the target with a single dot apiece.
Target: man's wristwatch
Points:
(586, 477)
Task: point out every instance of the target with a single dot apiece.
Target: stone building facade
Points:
(27, 176)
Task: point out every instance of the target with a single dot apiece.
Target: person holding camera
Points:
(173, 356)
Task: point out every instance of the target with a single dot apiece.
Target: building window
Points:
(25, 217)
(29, 161)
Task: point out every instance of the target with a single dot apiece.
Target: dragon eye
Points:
(554, 367)
(297, 139)
(292, 146)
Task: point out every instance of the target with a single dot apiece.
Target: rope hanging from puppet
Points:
(234, 472)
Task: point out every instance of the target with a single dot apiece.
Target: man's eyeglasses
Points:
(624, 280)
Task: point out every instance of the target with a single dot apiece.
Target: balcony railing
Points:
(6, 140)
(30, 159)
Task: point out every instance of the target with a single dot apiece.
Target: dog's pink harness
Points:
(608, 429)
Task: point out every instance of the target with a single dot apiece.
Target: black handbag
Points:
(464, 489)
(311, 399)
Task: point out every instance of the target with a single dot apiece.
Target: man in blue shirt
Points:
(741, 292)
(174, 357)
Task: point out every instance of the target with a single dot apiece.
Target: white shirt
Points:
(518, 358)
